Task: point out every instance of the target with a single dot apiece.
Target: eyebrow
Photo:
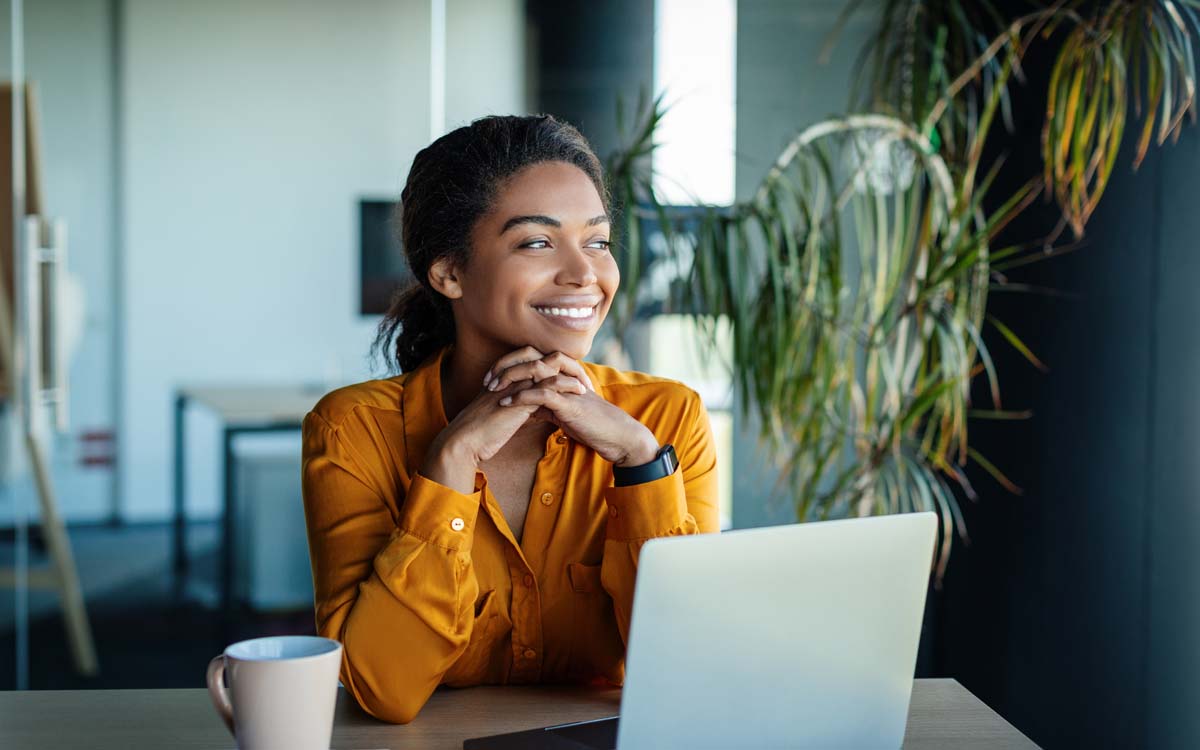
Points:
(548, 221)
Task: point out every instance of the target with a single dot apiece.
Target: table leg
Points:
(179, 553)
(227, 522)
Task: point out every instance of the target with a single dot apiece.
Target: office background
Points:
(210, 159)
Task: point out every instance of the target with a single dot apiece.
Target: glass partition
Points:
(57, 215)
(14, 510)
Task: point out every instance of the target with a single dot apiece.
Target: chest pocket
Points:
(596, 646)
(484, 660)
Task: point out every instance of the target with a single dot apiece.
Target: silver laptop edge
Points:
(802, 635)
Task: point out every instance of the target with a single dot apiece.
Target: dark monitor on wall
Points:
(382, 269)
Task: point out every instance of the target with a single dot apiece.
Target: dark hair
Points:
(451, 184)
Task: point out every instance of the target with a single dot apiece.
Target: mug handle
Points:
(217, 691)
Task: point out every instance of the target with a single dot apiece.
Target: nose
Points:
(576, 268)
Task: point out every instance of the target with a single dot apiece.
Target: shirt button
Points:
(528, 580)
(612, 512)
(530, 653)
(547, 498)
(457, 524)
(561, 439)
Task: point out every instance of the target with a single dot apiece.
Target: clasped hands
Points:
(555, 388)
(527, 384)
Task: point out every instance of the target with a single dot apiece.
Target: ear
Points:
(443, 277)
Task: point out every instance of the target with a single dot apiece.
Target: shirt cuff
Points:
(646, 510)
(441, 515)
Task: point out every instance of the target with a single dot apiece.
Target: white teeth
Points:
(566, 312)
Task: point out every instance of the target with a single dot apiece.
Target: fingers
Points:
(570, 366)
(509, 390)
(558, 384)
(540, 397)
(537, 370)
(565, 384)
(525, 354)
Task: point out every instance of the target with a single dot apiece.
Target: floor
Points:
(146, 636)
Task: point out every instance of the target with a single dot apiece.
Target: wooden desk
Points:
(942, 715)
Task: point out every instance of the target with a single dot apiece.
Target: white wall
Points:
(485, 60)
(250, 128)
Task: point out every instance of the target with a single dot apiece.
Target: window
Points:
(694, 62)
(675, 350)
(694, 47)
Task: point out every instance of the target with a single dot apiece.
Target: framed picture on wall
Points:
(382, 268)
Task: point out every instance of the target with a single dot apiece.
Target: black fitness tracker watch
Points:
(663, 465)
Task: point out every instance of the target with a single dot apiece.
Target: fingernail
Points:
(493, 385)
(486, 377)
(506, 401)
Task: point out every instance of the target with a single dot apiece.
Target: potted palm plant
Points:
(854, 282)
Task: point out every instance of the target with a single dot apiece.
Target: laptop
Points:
(802, 635)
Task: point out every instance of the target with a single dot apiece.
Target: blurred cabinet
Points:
(271, 569)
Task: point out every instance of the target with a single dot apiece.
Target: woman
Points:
(477, 519)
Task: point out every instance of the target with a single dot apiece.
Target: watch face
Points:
(669, 458)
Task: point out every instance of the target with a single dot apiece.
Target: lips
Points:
(567, 312)
(571, 318)
(570, 300)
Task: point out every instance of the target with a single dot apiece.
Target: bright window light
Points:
(694, 48)
(676, 352)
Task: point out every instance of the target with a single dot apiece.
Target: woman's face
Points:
(540, 272)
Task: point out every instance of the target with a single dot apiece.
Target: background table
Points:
(942, 715)
(242, 409)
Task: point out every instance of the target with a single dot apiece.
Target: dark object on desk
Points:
(597, 734)
(382, 268)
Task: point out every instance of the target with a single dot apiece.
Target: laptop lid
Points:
(802, 635)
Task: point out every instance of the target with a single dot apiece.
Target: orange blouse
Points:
(425, 586)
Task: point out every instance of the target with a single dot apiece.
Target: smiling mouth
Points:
(575, 313)
(576, 320)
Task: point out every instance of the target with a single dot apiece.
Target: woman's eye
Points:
(542, 244)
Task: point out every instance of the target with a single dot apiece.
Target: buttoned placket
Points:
(526, 561)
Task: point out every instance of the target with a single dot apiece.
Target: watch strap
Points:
(663, 465)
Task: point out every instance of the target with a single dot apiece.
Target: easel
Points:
(33, 367)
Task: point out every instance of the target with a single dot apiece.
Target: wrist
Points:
(461, 452)
(643, 453)
(452, 463)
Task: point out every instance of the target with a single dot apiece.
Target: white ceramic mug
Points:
(282, 691)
